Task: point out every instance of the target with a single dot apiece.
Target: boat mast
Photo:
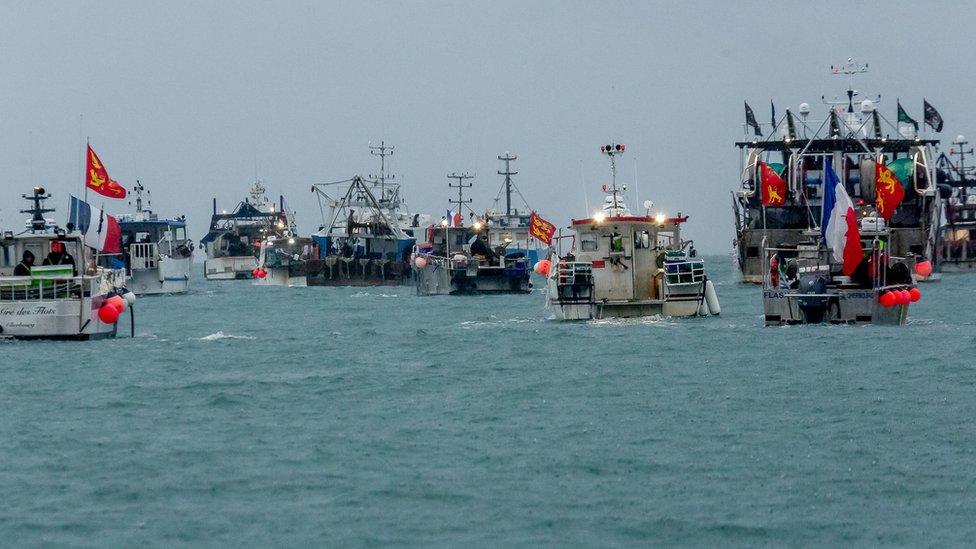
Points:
(611, 151)
(382, 151)
(460, 186)
(508, 173)
(37, 211)
(139, 188)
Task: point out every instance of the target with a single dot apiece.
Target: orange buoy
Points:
(923, 268)
(888, 299)
(915, 294)
(116, 301)
(108, 314)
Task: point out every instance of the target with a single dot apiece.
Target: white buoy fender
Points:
(711, 298)
(703, 308)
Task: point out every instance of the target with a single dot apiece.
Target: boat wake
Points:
(370, 294)
(222, 335)
(494, 323)
(634, 321)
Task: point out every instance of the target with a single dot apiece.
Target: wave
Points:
(222, 335)
(370, 294)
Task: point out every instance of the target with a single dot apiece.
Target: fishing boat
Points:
(157, 253)
(458, 258)
(843, 272)
(233, 242)
(858, 138)
(626, 265)
(368, 234)
(510, 227)
(62, 299)
(282, 261)
(957, 184)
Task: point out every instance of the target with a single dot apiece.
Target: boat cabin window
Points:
(665, 240)
(642, 239)
(8, 255)
(506, 238)
(616, 242)
(588, 243)
(180, 233)
(141, 237)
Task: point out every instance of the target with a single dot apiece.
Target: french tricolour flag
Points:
(838, 223)
(101, 230)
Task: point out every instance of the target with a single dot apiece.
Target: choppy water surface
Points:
(254, 415)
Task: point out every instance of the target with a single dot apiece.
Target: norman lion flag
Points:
(97, 178)
(888, 191)
(839, 222)
(773, 186)
(541, 229)
(101, 230)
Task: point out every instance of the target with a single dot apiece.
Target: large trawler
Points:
(232, 244)
(957, 183)
(626, 265)
(157, 253)
(368, 234)
(458, 258)
(856, 137)
(61, 299)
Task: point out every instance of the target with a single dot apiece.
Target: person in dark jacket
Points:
(24, 267)
(59, 256)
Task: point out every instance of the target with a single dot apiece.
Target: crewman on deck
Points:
(59, 256)
(24, 267)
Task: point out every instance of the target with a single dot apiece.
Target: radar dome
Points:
(867, 106)
(804, 108)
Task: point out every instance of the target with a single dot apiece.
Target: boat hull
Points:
(854, 306)
(171, 276)
(229, 268)
(335, 271)
(282, 276)
(70, 319)
(437, 278)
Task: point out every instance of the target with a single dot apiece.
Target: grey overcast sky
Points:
(190, 96)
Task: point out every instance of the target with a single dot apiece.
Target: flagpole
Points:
(84, 244)
(81, 254)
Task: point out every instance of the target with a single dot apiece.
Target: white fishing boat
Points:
(625, 265)
(233, 242)
(157, 254)
(282, 261)
(59, 298)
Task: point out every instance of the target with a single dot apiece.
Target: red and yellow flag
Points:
(97, 178)
(773, 186)
(888, 191)
(541, 229)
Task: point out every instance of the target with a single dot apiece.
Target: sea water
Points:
(249, 415)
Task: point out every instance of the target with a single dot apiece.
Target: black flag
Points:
(877, 124)
(790, 125)
(772, 111)
(932, 116)
(834, 124)
(751, 120)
